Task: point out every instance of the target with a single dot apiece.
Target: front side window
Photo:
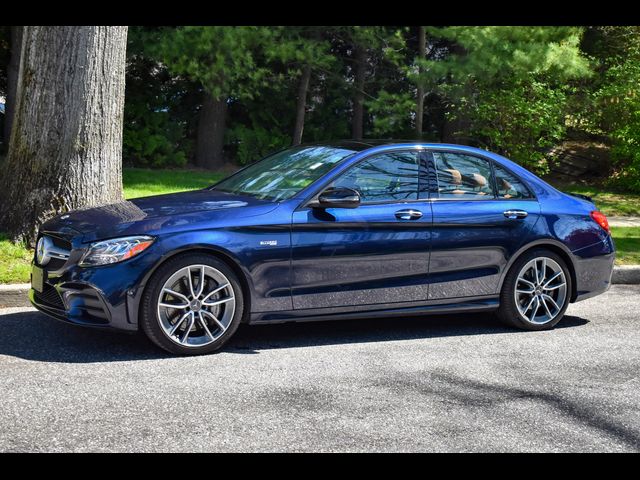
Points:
(509, 186)
(284, 174)
(462, 176)
(387, 177)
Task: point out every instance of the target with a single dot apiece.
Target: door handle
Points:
(409, 214)
(515, 214)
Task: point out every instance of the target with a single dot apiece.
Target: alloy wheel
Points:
(541, 290)
(196, 306)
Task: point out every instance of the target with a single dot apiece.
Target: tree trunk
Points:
(12, 80)
(65, 150)
(357, 128)
(211, 127)
(422, 54)
(303, 88)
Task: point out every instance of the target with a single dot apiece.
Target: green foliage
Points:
(522, 121)
(516, 90)
(390, 112)
(490, 53)
(223, 59)
(619, 101)
(507, 86)
(156, 111)
(255, 143)
(152, 139)
(295, 47)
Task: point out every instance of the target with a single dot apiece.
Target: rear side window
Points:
(462, 176)
(386, 177)
(509, 186)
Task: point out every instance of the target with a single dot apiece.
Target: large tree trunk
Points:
(12, 80)
(357, 123)
(422, 53)
(211, 126)
(301, 106)
(65, 150)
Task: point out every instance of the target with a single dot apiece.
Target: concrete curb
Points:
(629, 274)
(16, 295)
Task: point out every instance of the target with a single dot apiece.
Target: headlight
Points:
(115, 250)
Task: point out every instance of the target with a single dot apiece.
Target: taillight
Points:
(601, 220)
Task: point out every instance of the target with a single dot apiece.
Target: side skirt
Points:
(477, 304)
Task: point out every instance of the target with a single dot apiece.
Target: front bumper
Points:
(102, 297)
(77, 304)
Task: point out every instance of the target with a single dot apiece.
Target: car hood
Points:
(159, 212)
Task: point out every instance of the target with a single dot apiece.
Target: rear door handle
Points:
(409, 214)
(515, 214)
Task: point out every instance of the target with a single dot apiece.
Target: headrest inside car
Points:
(456, 176)
(479, 180)
(504, 185)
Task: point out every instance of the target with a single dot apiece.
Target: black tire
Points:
(508, 312)
(150, 323)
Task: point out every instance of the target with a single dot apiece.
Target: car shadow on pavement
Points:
(252, 339)
(34, 336)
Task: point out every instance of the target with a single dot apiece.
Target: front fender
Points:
(263, 269)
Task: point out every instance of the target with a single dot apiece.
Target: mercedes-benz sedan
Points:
(325, 231)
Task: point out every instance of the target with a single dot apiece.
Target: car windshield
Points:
(284, 174)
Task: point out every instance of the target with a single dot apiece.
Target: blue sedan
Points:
(326, 231)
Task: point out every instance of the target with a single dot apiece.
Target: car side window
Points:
(462, 176)
(386, 177)
(509, 186)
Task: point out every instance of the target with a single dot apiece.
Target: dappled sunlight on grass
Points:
(15, 262)
(627, 241)
(142, 182)
(608, 201)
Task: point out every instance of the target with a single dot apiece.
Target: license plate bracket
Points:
(38, 276)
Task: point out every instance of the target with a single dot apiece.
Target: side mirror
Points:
(338, 198)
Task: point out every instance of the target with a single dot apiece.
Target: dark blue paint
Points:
(339, 262)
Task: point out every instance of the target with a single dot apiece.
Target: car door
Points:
(482, 214)
(374, 254)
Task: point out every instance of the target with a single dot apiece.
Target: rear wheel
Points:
(536, 291)
(192, 305)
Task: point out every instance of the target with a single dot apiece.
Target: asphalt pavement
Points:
(440, 383)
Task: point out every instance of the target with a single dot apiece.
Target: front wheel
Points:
(192, 305)
(536, 291)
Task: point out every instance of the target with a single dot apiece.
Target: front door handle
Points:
(409, 214)
(515, 214)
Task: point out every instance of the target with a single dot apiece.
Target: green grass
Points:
(138, 182)
(611, 203)
(15, 262)
(142, 182)
(627, 240)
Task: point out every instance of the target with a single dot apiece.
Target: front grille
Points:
(61, 243)
(49, 297)
(55, 263)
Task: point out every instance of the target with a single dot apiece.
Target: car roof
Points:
(366, 144)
